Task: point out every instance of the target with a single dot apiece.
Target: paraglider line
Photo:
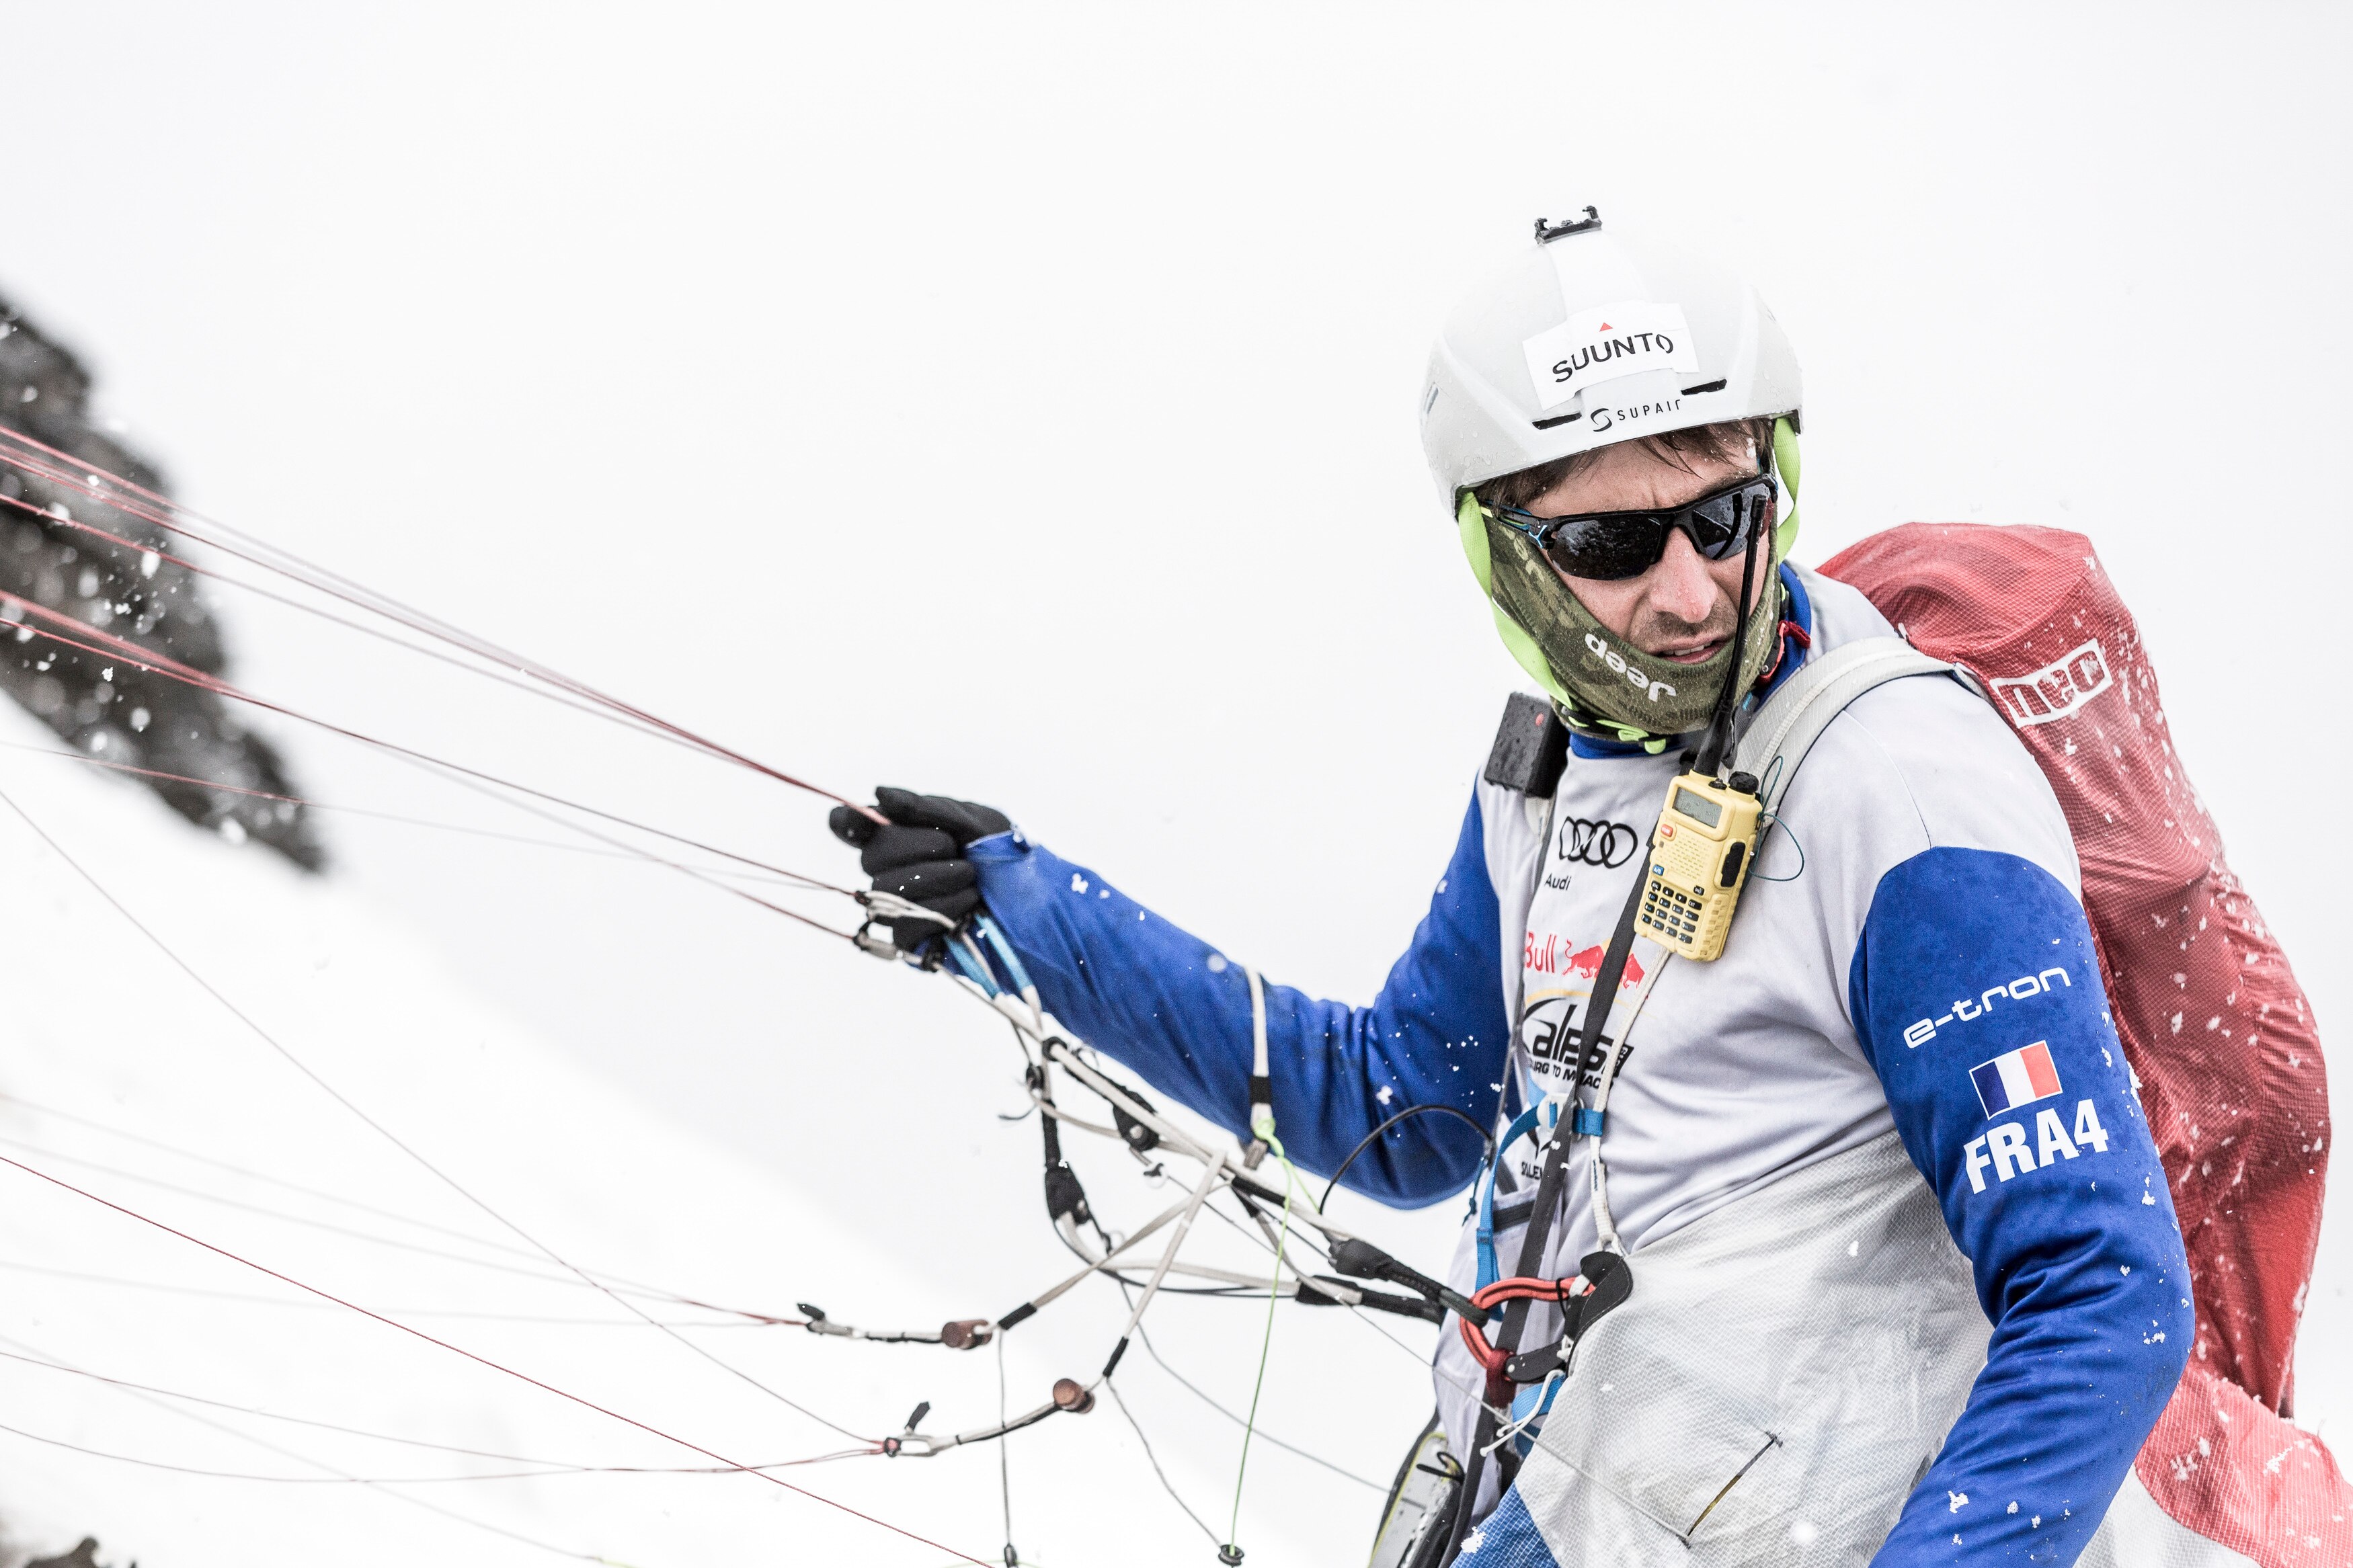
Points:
(172, 516)
(1111, 1386)
(130, 654)
(593, 711)
(485, 1361)
(390, 1137)
(626, 852)
(539, 1466)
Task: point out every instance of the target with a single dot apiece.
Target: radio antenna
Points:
(1718, 739)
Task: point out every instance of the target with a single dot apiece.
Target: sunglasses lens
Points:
(1606, 549)
(1718, 525)
(1721, 526)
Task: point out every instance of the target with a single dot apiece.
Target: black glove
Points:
(919, 855)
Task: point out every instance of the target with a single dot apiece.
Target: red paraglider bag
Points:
(2221, 1042)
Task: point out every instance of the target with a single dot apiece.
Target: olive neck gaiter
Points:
(1606, 686)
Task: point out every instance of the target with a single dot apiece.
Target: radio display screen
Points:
(1699, 808)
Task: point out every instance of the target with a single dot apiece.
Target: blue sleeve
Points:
(1975, 992)
(1161, 1001)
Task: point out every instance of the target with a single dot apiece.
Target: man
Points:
(1906, 1285)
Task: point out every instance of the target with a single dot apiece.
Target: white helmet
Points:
(1588, 337)
(1583, 341)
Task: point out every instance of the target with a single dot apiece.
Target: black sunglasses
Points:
(1611, 546)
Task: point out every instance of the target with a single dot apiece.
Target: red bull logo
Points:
(1553, 954)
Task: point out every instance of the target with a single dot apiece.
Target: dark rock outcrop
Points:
(97, 704)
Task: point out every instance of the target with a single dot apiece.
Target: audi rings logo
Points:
(1604, 844)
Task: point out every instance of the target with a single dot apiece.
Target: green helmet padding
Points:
(1473, 524)
(1785, 463)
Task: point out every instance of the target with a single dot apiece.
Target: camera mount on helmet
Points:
(1548, 230)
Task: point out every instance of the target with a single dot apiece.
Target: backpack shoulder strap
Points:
(1794, 717)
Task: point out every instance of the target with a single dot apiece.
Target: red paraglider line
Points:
(387, 1134)
(85, 479)
(280, 1449)
(108, 644)
(544, 1467)
(495, 1367)
(328, 615)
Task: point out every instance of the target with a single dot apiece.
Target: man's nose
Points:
(1681, 586)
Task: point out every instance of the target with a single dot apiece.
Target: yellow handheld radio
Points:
(1699, 862)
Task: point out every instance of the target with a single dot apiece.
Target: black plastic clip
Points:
(1608, 1280)
(1536, 1365)
(1134, 1133)
(1361, 1259)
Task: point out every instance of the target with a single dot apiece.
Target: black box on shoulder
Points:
(1531, 748)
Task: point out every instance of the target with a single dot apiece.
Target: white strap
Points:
(1605, 1223)
(1257, 1023)
(1794, 718)
(1783, 732)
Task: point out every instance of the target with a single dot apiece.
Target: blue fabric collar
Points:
(1801, 612)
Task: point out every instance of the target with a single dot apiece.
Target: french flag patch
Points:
(2016, 1077)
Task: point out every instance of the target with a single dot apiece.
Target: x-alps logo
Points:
(2057, 690)
(1604, 844)
(1554, 1045)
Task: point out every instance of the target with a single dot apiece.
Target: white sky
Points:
(1016, 402)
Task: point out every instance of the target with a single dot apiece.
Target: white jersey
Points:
(1743, 1071)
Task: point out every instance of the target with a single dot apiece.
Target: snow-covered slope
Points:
(122, 1077)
